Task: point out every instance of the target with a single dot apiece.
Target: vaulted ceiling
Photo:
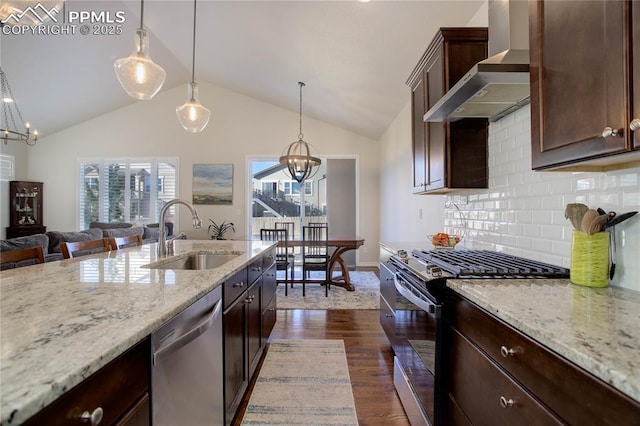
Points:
(354, 57)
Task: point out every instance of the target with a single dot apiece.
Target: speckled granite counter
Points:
(597, 329)
(62, 321)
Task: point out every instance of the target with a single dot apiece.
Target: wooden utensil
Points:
(574, 212)
(587, 219)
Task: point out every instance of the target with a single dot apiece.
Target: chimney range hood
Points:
(499, 84)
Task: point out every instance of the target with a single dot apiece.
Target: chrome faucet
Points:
(162, 238)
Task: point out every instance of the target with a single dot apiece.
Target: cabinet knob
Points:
(238, 285)
(94, 418)
(506, 403)
(609, 132)
(635, 124)
(507, 352)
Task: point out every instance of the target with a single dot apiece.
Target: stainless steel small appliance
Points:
(418, 332)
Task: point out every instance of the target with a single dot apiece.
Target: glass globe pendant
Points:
(192, 115)
(138, 75)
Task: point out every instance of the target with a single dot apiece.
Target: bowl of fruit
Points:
(444, 240)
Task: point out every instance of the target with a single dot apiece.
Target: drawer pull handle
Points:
(389, 278)
(635, 124)
(256, 269)
(506, 403)
(609, 132)
(238, 284)
(506, 353)
(95, 417)
(388, 315)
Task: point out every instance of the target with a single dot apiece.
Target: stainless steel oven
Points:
(413, 301)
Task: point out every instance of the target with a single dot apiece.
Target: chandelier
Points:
(298, 158)
(10, 112)
(192, 115)
(138, 75)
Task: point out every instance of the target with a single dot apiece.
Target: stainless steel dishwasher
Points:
(187, 366)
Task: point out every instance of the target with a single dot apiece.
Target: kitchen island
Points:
(62, 321)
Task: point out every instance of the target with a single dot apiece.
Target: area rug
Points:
(365, 296)
(303, 382)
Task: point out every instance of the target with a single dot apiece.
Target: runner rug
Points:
(303, 382)
(365, 296)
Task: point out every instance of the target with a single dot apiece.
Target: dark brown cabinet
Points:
(25, 209)
(245, 331)
(118, 394)
(585, 59)
(447, 156)
(497, 375)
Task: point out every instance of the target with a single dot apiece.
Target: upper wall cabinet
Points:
(585, 57)
(447, 156)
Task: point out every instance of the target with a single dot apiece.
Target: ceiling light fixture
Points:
(298, 158)
(138, 75)
(192, 115)
(10, 111)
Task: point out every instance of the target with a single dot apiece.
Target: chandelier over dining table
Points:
(297, 157)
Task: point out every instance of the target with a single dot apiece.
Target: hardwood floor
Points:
(368, 354)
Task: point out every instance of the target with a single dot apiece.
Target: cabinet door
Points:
(236, 377)
(436, 132)
(579, 80)
(254, 325)
(418, 135)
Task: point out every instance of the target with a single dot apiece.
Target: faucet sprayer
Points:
(162, 238)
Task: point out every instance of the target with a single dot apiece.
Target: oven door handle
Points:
(422, 303)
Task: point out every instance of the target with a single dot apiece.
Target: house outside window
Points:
(294, 188)
(125, 190)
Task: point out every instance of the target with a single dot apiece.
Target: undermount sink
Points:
(196, 261)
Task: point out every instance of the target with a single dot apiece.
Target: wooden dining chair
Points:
(36, 254)
(289, 226)
(118, 243)
(315, 255)
(283, 260)
(82, 248)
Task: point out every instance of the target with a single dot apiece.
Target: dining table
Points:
(341, 243)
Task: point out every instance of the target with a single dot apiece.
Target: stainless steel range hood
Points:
(498, 85)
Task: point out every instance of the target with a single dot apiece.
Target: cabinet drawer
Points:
(479, 387)
(268, 259)
(388, 321)
(269, 316)
(269, 284)
(387, 286)
(234, 287)
(385, 255)
(578, 398)
(254, 270)
(115, 388)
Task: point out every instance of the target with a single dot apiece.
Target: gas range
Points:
(439, 263)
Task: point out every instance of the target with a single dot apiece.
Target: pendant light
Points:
(192, 115)
(138, 75)
(298, 158)
(10, 112)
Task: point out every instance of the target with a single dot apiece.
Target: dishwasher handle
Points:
(190, 335)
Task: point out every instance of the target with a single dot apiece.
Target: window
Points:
(7, 167)
(293, 188)
(125, 190)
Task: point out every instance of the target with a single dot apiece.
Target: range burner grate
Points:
(483, 263)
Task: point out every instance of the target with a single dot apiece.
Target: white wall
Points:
(404, 216)
(240, 127)
(19, 151)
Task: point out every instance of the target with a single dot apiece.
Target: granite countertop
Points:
(62, 321)
(595, 328)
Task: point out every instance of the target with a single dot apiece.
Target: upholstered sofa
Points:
(51, 240)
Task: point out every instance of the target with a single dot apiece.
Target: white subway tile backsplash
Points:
(522, 212)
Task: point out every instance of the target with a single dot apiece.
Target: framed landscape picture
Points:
(213, 184)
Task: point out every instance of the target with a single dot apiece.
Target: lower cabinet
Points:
(247, 323)
(117, 394)
(499, 376)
